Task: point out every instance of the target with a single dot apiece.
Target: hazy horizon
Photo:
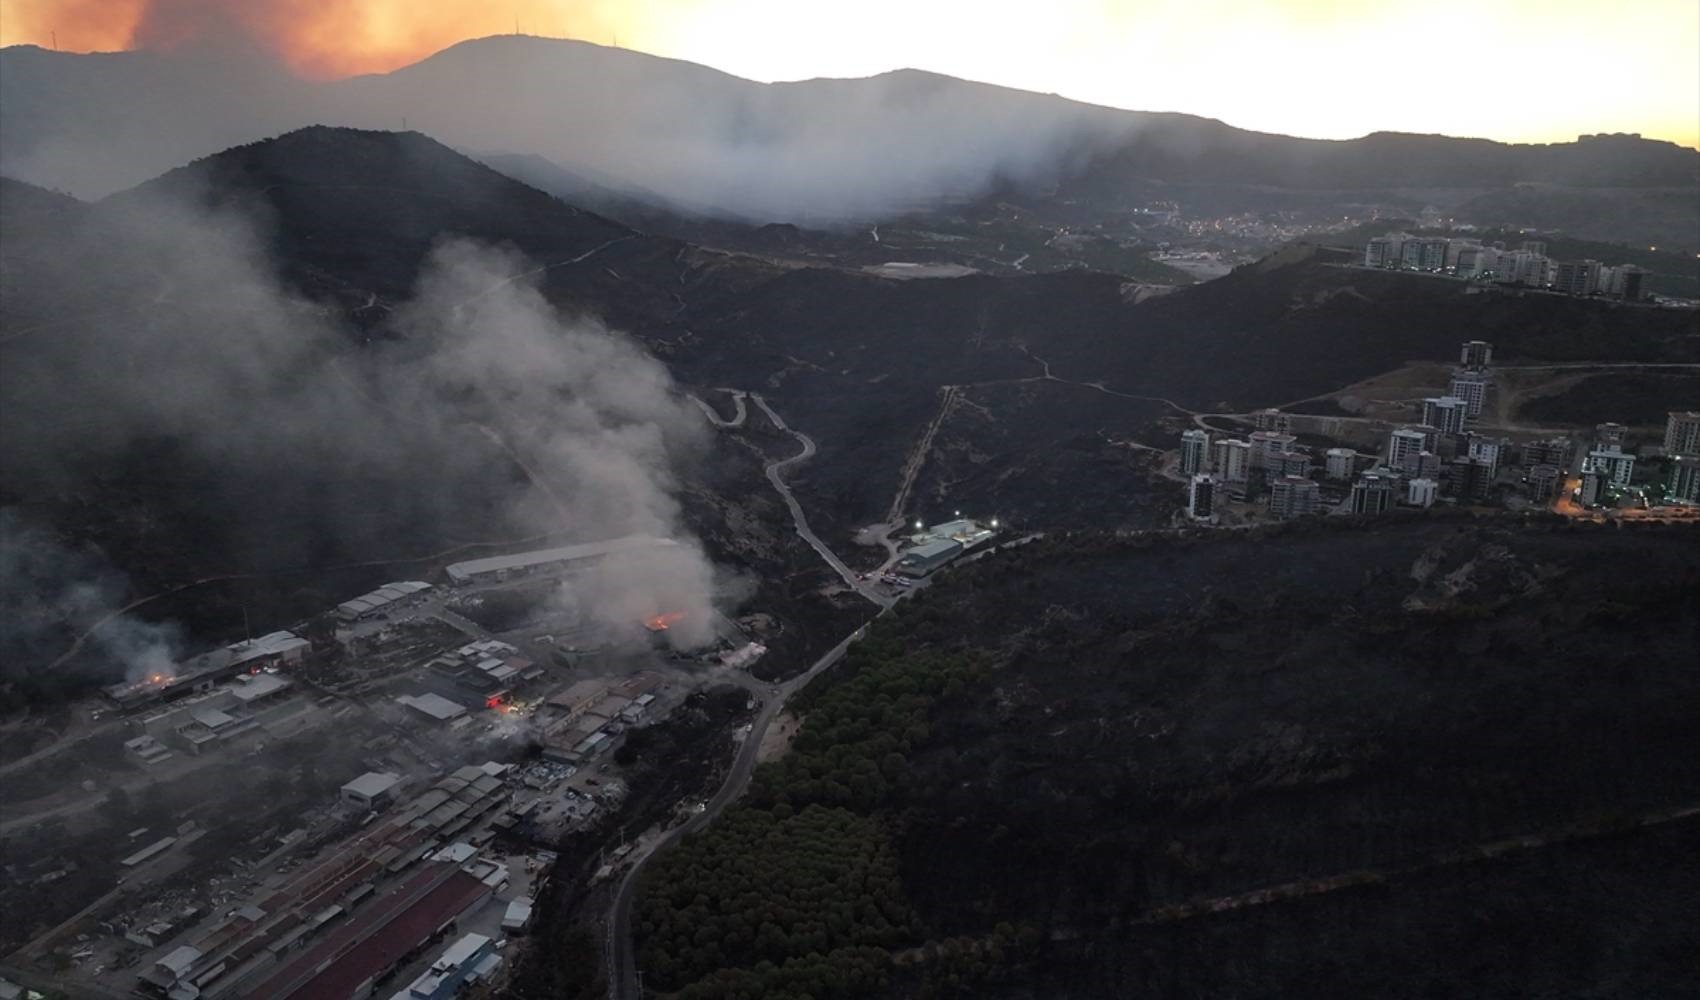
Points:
(1252, 66)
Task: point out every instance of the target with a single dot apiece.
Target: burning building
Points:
(200, 674)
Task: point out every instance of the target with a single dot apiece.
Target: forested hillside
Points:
(1100, 767)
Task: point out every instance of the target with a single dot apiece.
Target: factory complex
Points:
(933, 548)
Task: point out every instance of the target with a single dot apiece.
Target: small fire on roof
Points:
(662, 622)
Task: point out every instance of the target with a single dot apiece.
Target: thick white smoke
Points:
(818, 151)
(254, 389)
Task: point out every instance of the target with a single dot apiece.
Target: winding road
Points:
(804, 532)
(621, 957)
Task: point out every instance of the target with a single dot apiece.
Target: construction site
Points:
(390, 791)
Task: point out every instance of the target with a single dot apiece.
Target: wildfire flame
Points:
(662, 622)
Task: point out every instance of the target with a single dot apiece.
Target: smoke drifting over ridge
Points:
(212, 384)
(819, 151)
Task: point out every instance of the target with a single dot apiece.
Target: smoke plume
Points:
(819, 152)
(206, 386)
(52, 592)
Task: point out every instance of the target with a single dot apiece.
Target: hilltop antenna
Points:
(55, 36)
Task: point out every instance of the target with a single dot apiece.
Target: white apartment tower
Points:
(1446, 414)
(1293, 496)
(1682, 433)
(1472, 388)
(1231, 460)
(1195, 452)
(1339, 462)
(1403, 447)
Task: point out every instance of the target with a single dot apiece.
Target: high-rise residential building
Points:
(1489, 450)
(1553, 451)
(1455, 250)
(1293, 496)
(1447, 414)
(1403, 447)
(1286, 463)
(1427, 465)
(1339, 462)
(1477, 262)
(1608, 435)
(1476, 355)
(1421, 492)
(1522, 267)
(1468, 478)
(1385, 251)
(1543, 482)
(1615, 464)
(1592, 492)
(1682, 433)
(1626, 281)
(1534, 246)
(1372, 494)
(1267, 443)
(1421, 254)
(1577, 277)
(1201, 497)
(1472, 387)
(1231, 460)
(1684, 485)
(1195, 452)
(1271, 419)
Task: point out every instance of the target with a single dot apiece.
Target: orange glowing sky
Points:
(1519, 70)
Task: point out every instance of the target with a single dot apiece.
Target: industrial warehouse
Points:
(198, 675)
(390, 876)
(500, 568)
(380, 601)
(933, 548)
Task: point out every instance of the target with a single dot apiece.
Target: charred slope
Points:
(356, 212)
(94, 295)
(1339, 758)
(1302, 321)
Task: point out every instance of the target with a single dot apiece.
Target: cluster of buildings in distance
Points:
(1528, 265)
(1443, 457)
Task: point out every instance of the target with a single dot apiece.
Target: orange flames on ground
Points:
(661, 623)
(322, 39)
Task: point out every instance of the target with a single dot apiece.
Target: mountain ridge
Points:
(822, 149)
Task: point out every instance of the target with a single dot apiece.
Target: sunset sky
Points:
(1520, 70)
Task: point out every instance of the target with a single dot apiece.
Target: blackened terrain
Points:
(859, 362)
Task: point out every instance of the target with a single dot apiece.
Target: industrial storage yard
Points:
(392, 789)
